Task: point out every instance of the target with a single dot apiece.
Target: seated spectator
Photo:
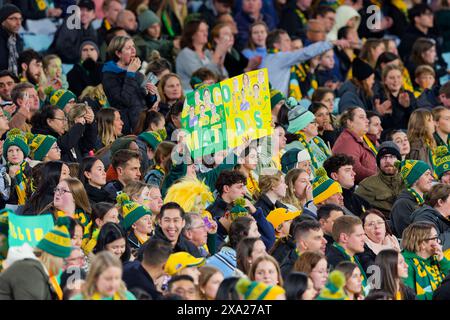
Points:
(441, 117)
(196, 232)
(444, 94)
(375, 128)
(194, 55)
(346, 56)
(326, 215)
(421, 128)
(325, 126)
(427, 96)
(26, 100)
(170, 91)
(53, 73)
(183, 286)
(110, 9)
(110, 126)
(299, 190)
(427, 264)
(8, 81)
(202, 77)
(434, 211)
(144, 274)
(418, 180)
(299, 286)
(273, 189)
(324, 71)
(249, 250)
(314, 264)
(266, 269)
(126, 163)
(381, 190)
(113, 238)
(182, 263)
(346, 16)
(281, 220)
(326, 191)
(162, 160)
(400, 138)
(378, 234)
(66, 37)
(353, 283)
(209, 282)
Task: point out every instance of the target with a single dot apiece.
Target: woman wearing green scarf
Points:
(427, 265)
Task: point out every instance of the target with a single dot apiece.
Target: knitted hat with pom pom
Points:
(324, 187)
(254, 290)
(131, 211)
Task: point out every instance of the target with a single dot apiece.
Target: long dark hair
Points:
(50, 173)
(227, 289)
(189, 30)
(111, 232)
(244, 252)
(86, 165)
(387, 261)
(295, 285)
(39, 119)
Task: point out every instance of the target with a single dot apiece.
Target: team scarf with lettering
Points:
(308, 146)
(370, 145)
(353, 259)
(416, 195)
(21, 183)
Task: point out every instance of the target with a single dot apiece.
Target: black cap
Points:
(361, 70)
(88, 4)
(388, 147)
(7, 10)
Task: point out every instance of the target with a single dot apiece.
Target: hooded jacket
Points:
(442, 224)
(401, 212)
(425, 275)
(124, 92)
(343, 14)
(350, 95)
(381, 191)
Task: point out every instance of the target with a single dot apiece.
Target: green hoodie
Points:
(425, 275)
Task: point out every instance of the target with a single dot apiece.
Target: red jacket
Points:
(365, 162)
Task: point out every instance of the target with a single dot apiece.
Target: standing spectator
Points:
(211, 10)
(88, 71)
(11, 44)
(295, 18)
(194, 55)
(123, 83)
(173, 13)
(126, 20)
(111, 9)
(418, 180)
(354, 142)
(427, 265)
(72, 38)
(346, 16)
(251, 12)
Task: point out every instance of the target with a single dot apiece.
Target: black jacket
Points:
(288, 263)
(4, 52)
(330, 242)
(82, 75)
(182, 245)
(78, 139)
(113, 188)
(282, 248)
(219, 207)
(235, 63)
(135, 276)
(442, 224)
(354, 202)
(98, 195)
(366, 258)
(124, 92)
(67, 42)
(443, 291)
(266, 205)
(401, 212)
(399, 117)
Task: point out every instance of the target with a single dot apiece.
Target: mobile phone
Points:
(152, 78)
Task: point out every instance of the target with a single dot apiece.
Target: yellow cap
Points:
(181, 260)
(280, 215)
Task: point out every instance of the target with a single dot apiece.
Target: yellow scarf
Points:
(140, 240)
(370, 145)
(56, 287)
(252, 185)
(98, 296)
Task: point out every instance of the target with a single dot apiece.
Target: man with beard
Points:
(340, 168)
(67, 41)
(7, 82)
(382, 189)
(26, 99)
(11, 44)
(30, 67)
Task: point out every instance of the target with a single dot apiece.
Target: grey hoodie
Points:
(442, 224)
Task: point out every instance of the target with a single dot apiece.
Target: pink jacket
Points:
(365, 162)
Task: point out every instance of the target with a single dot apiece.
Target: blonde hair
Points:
(117, 44)
(251, 273)
(417, 129)
(290, 179)
(96, 93)
(134, 188)
(52, 263)
(105, 119)
(267, 183)
(77, 111)
(415, 234)
(101, 262)
(186, 192)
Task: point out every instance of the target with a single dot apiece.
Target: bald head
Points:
(126, 20)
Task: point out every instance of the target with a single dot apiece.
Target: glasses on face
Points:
(374, 224)
(388, 156)
(61, 119)
(61, 191)
(436, 238)
(202, 226)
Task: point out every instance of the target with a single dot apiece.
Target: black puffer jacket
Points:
(182, 245)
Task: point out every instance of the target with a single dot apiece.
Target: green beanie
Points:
(152, 138)
(57, 242)
(146, 19)
(40, 145)
(334, 288)
(61, 97)
(275, 97)
(442, 161)
(119, 144)
(131, 211)
(412, 170)
(15, 137)
(238, 209)
(293, 156)
(324, 187)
